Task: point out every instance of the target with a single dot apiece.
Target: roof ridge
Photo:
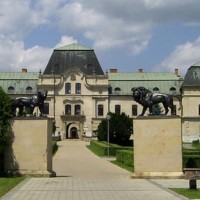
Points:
(73, 46)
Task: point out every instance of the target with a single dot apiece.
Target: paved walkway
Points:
(84, 176)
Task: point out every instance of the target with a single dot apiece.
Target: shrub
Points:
(125, 157)
(191, 152)
(54, 147)
(191, 161)
(98, 147)
(195, 142)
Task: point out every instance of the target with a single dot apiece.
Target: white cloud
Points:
(65, 40)
(118, 24)
(14, 57)
(34, 59)
(9, 53)
(106, 31)
(182, 57)
(17, 18)
(107, 24)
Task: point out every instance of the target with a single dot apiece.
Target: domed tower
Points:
(77, 91)
(191, 104)
(73, 56)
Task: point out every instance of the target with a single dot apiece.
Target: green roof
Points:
(73, 47)
(18, 75)
(143, 76)
(19, 81)
(126, 81)
(192, 77)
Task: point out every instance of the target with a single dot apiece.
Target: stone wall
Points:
(30, 147)
(157, 147)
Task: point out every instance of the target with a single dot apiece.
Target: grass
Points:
(190, 194)
(6, 184)
(95, 151)
(128, 168)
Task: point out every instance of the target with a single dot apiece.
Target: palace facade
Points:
(80, 93)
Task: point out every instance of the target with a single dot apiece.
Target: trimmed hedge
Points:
(191, 161)
(98, 147)
(191, 158)
(102, 148)
(191, 152)
(125, 157)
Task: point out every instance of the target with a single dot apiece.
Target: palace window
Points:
(199, 109)
(134, 110)
(46, 108)
(67, 88)
(173, 112)
(100, 110)
(118, 109)
(77, 110)
(110, 90)
(67, 109)
(78, 88)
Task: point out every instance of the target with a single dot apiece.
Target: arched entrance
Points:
(73, 133)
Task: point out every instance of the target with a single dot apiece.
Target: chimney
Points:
(176, 72)
(113, 70)
(141, 70)
(24, 70)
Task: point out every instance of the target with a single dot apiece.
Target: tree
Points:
(121, 128)
(5, 123)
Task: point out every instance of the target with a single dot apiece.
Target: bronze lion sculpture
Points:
(147, 99)
(29, 102)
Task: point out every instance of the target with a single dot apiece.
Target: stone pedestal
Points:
(30, 147)
(157, 147)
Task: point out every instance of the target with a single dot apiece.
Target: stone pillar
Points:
(30, 146)
(157, 147)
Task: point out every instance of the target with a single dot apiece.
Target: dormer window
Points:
(11, 90)
(132, 88)
(172, 89)
(156, 89)
(29, 90)
(117, 90)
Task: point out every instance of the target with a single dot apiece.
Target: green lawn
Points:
(6, 184)
(191, 194)
(95, 151)
(129, 168)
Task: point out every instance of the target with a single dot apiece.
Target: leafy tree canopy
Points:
(121, 128)
(5, 116)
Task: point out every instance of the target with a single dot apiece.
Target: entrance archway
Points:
(74, 133)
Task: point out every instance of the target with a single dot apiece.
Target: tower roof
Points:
(192, 77)
(74, 56)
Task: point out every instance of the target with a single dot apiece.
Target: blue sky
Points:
(156, 35)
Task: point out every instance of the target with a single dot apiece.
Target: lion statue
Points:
(147, 99)
(29, 102)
